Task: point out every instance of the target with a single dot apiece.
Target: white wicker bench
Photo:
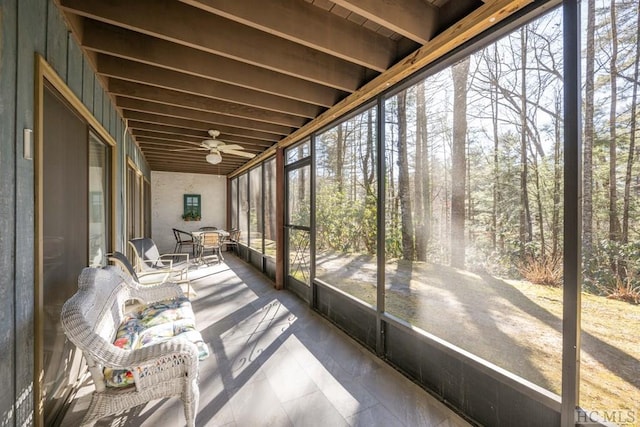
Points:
(162, 369)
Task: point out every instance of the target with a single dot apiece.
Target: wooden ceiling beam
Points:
(180, 99)
(133, 124)
(104, 38)
(482, 18)
(161, 136)
(414, 19)
(186, 113)
(220, 36)
(322, 31)
(154, 119)
(138, 72)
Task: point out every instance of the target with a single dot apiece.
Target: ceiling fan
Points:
(216, 147)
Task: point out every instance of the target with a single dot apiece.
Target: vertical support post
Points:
(229, 197)
(572, 213)
(280, 243)
(263, 190)
(313, 291)
(380, 165)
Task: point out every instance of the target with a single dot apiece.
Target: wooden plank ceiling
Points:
(254, 70)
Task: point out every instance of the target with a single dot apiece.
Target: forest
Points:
(474, 161)
(471, 192)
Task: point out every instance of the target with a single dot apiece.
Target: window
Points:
(192, 207)
(298, 152)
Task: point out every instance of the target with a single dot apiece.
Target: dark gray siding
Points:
(28, 27)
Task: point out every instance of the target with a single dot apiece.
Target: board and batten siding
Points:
(27, 28)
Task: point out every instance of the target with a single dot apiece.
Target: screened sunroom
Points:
(431, 207)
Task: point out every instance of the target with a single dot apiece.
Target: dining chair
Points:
(209, 240)
(183, 238)
(232, 240)
(208, 228)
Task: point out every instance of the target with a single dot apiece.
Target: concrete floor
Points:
(275, 362)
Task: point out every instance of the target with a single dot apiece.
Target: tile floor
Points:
(274, 362)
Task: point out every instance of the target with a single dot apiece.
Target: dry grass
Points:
(542, 271)
(624, 291)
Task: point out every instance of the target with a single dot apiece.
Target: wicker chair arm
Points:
(150, 355)
(157, 292)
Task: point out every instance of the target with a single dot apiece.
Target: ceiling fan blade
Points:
(226, 147)
(240, 153)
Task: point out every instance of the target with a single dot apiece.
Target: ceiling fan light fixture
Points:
(214, 158)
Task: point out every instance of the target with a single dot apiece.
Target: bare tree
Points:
(632, 136)
(340, 149)
(614, 224)
(408, 250)
(422, 194)
(587, 142)
(368, 171)
(526, 231)
(557, 179)
(460, 73)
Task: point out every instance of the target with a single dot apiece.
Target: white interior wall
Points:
(167, 191)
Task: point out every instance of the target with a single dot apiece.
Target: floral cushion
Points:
(151, 324)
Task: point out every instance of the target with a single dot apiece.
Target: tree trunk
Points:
(496, 152)
(340, 158)
(370, 191)
(460, 72)
(427, 207)
(557, 180)
(391, 212)
(614, 225)
(587, 142)
(421, 176)
(445, 215)
(470, 218)
(368, 160)
(543, 251)
(632, 138)
(525, 214)
(408, 250)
